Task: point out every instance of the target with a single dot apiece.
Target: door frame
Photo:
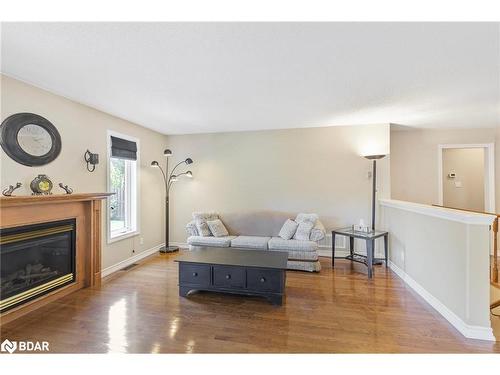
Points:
(489, 175)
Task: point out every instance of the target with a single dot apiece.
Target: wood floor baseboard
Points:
(124, 263)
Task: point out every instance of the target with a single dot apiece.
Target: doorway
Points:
(466, 176)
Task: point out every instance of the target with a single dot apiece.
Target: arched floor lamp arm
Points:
(163, 173)
(172, 173)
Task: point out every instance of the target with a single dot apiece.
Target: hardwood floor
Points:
(335, 311)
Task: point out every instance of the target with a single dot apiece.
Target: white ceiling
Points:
(210, 77)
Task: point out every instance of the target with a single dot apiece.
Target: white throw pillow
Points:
(200, 219)
(217, 228)
(318, 232)
(191, 228)
(288, 229)
(203, 229)
(303, 231)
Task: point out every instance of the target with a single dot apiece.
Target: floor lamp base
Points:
(169, 249)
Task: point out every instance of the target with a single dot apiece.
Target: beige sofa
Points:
(259, 231)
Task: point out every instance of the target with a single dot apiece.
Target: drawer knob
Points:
(262, 279)
(195, 274)
(228, 277)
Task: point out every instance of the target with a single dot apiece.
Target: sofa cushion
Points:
(204, 216)
(303, 266)
(250, 242)
(217, 228)
(278, 243)
(303, 231)
(309, 256)
(288, 229)
(210, 241)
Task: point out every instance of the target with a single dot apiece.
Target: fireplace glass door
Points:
(34, 260)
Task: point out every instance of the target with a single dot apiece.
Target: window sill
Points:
(123, 236)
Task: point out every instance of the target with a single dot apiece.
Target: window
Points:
(122, 181)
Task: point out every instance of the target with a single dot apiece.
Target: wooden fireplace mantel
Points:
(86, 209)
(55, 198)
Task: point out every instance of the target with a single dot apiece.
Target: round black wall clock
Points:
(30, 139)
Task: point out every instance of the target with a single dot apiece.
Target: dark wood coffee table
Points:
(249, 272)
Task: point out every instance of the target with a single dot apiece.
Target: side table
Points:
(369, 238)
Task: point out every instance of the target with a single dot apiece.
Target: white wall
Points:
(297, 170)
(414, 160)
(83, 128)
(315, 169)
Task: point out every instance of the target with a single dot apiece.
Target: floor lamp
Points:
(374, 185)
(169, 179)
(374, 189)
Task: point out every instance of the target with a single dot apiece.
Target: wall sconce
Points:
(91, 159)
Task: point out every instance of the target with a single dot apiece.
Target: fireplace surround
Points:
(58, 241)
(34, 260)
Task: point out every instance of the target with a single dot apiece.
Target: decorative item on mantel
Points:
(66, 188)
(41, 185)
(168, 180)
(8, 191)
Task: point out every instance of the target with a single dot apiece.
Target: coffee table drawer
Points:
(198, 274)
(229, 276)
(264, 280)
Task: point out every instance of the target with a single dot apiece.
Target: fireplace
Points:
(35, 260)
